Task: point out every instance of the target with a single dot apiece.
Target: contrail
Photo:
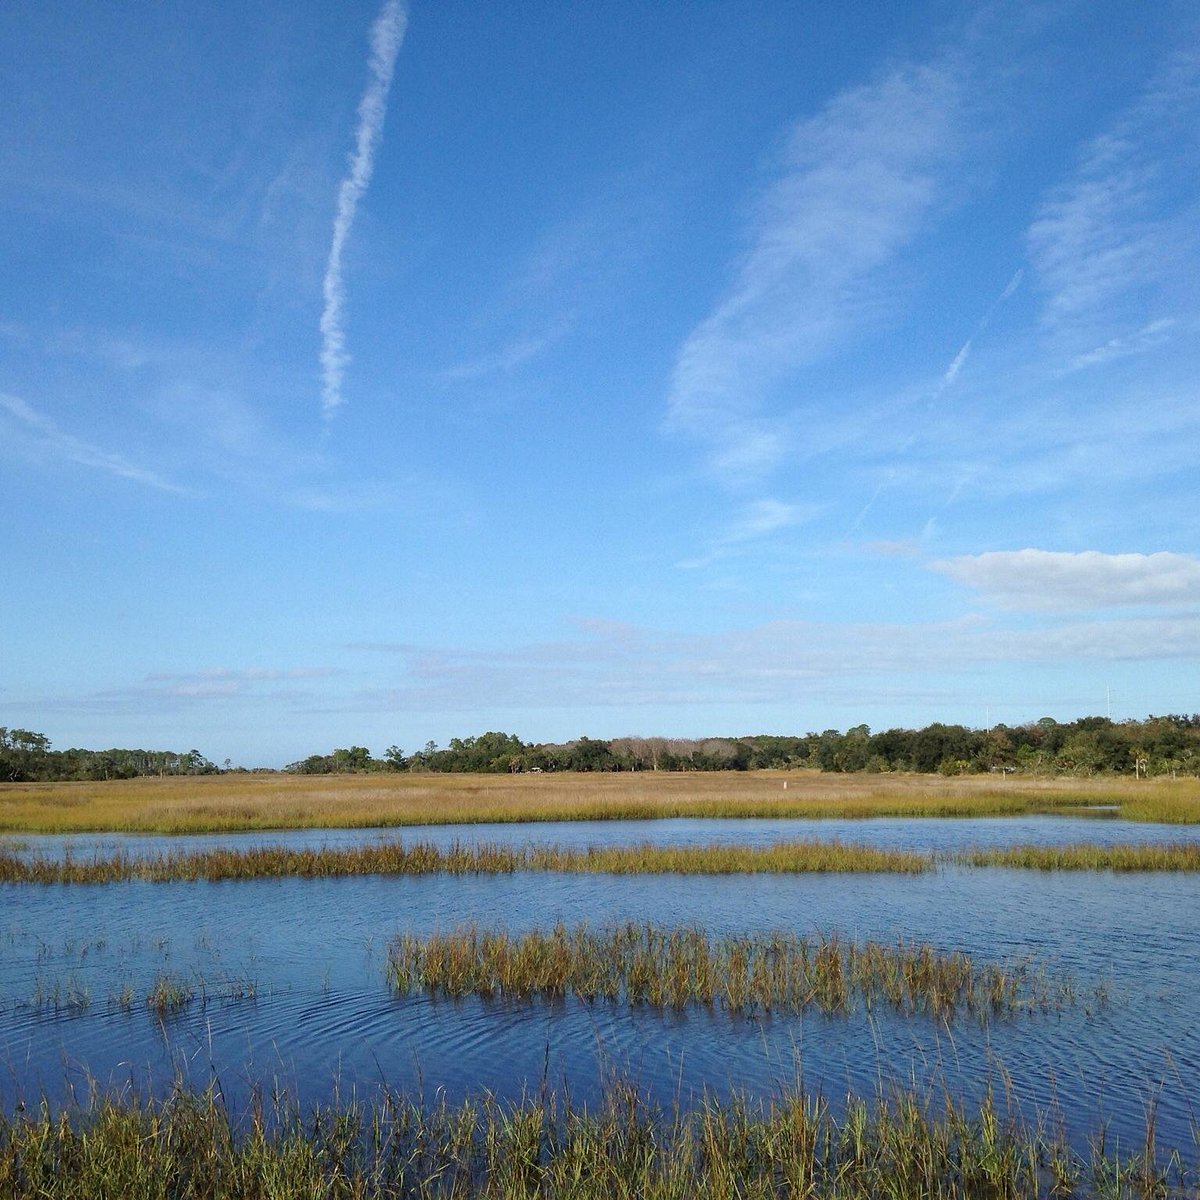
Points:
(951, 372)
(386, 36)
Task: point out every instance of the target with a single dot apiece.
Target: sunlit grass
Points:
(423, 858)
(677, 968)
(898, 1145)
(1085, 856)
(245, 802)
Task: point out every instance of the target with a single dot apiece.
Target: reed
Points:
(423, 858)
(1086, 856)
(69, 996)
(169, 995)
(199, 804)
(641, 964)
(897, 1145)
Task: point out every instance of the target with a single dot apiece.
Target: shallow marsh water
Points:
(322, 1011)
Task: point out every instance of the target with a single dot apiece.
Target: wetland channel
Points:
(289, 976)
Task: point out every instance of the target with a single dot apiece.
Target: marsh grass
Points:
(1085, 856)
(169, 995)
(898, 1145)
(641, 964)
(423, 858)
(221, 803)
(69, 996)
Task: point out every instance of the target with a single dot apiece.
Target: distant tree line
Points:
(1166, 745)
(26, 757)
(1091, 745)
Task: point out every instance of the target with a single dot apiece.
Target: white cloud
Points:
(1149, 337)
(217, 686)
(788, 663)
(753, 522)
(1120, 229)
(387, 34)
(44, 435)
(505, 360)
(764, 517)
(1048, 580)
(857, 182)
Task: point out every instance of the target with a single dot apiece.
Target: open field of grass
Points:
(196, 804)
(675, 968)
(898, 1145)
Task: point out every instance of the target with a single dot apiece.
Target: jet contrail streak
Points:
(386, 36)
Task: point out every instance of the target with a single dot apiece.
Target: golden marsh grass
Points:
(677, 968)
(1084, 856)
(227, 803)
(423, 858)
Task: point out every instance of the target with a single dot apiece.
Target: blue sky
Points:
(377, 375)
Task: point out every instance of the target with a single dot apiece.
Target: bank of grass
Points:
(228, 863)
(1085, 856)
(898, 1145)
(424, 858)
(225, 803)
(677, 968)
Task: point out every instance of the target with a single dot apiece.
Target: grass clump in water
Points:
(424, 858)
(676, 968)
(169, 995)
(1086, 856)
(900, 1146)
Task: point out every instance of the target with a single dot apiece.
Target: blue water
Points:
(322, 1015)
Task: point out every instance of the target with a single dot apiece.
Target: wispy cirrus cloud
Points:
(1051, 580)
(856, 184)
(226, 683)
(387, 34)
(45, 437)
(1117, 239)
(1149, 337)
(760, 519)
(216, 687)
(505, 360)
(851, 664)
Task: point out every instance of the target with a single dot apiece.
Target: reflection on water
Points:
(316, 950)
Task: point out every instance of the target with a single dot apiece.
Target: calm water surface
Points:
(323, 1015)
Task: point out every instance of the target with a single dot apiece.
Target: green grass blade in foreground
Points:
(680, 967)
(897, 1145)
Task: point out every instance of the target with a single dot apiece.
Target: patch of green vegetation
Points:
(901, 1145)
(423, 858)
(676, 968)
(1086, 856)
